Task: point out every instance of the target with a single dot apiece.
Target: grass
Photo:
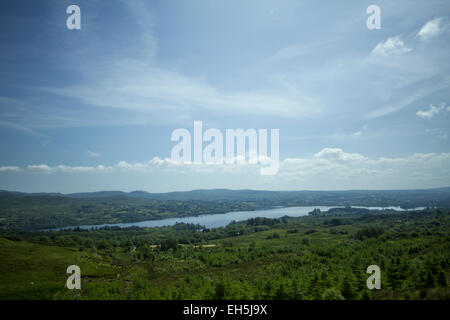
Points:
(31, 271)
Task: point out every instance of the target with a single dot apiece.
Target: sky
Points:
(94, 109)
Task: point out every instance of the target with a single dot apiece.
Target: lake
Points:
(221, 220)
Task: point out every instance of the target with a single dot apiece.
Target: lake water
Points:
(221, 220)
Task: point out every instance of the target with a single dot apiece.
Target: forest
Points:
(320, 256)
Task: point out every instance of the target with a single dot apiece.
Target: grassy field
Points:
(32, 271)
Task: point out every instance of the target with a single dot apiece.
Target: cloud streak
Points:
(137, 86)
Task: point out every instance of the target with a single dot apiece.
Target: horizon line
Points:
(223, 189)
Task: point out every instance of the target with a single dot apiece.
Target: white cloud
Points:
(332, 168)
(79, 169)
(337, 154)
(328, 169)
(39, 168)
(9, 169)
(430, 29)
(431, 112)
(120, 166)
(327, 158)
(392, 46)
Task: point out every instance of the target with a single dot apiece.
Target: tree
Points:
(332, 294)
(314, 287)
(442, 279)
(220, 290)
(348, 287)
(281, 292)
(168, 244)
(429, 282)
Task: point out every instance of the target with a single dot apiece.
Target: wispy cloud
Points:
(431, 112)
(133, 85)
(356, 134)
(146, 18)
(300, 50)
(94, 154)
(26, 131)
(431, 29)
(407, 100)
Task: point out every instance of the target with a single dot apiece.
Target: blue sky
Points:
(93, 109)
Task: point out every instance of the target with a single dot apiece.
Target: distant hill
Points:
(256, 195)
(99, 194)
(34, 211)
(436, 194)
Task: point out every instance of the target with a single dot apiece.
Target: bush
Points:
(168, 244)
(273, 236)
(371, 232)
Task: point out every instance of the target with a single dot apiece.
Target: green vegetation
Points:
(38, 212)
(321, 256)
(33, 271)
